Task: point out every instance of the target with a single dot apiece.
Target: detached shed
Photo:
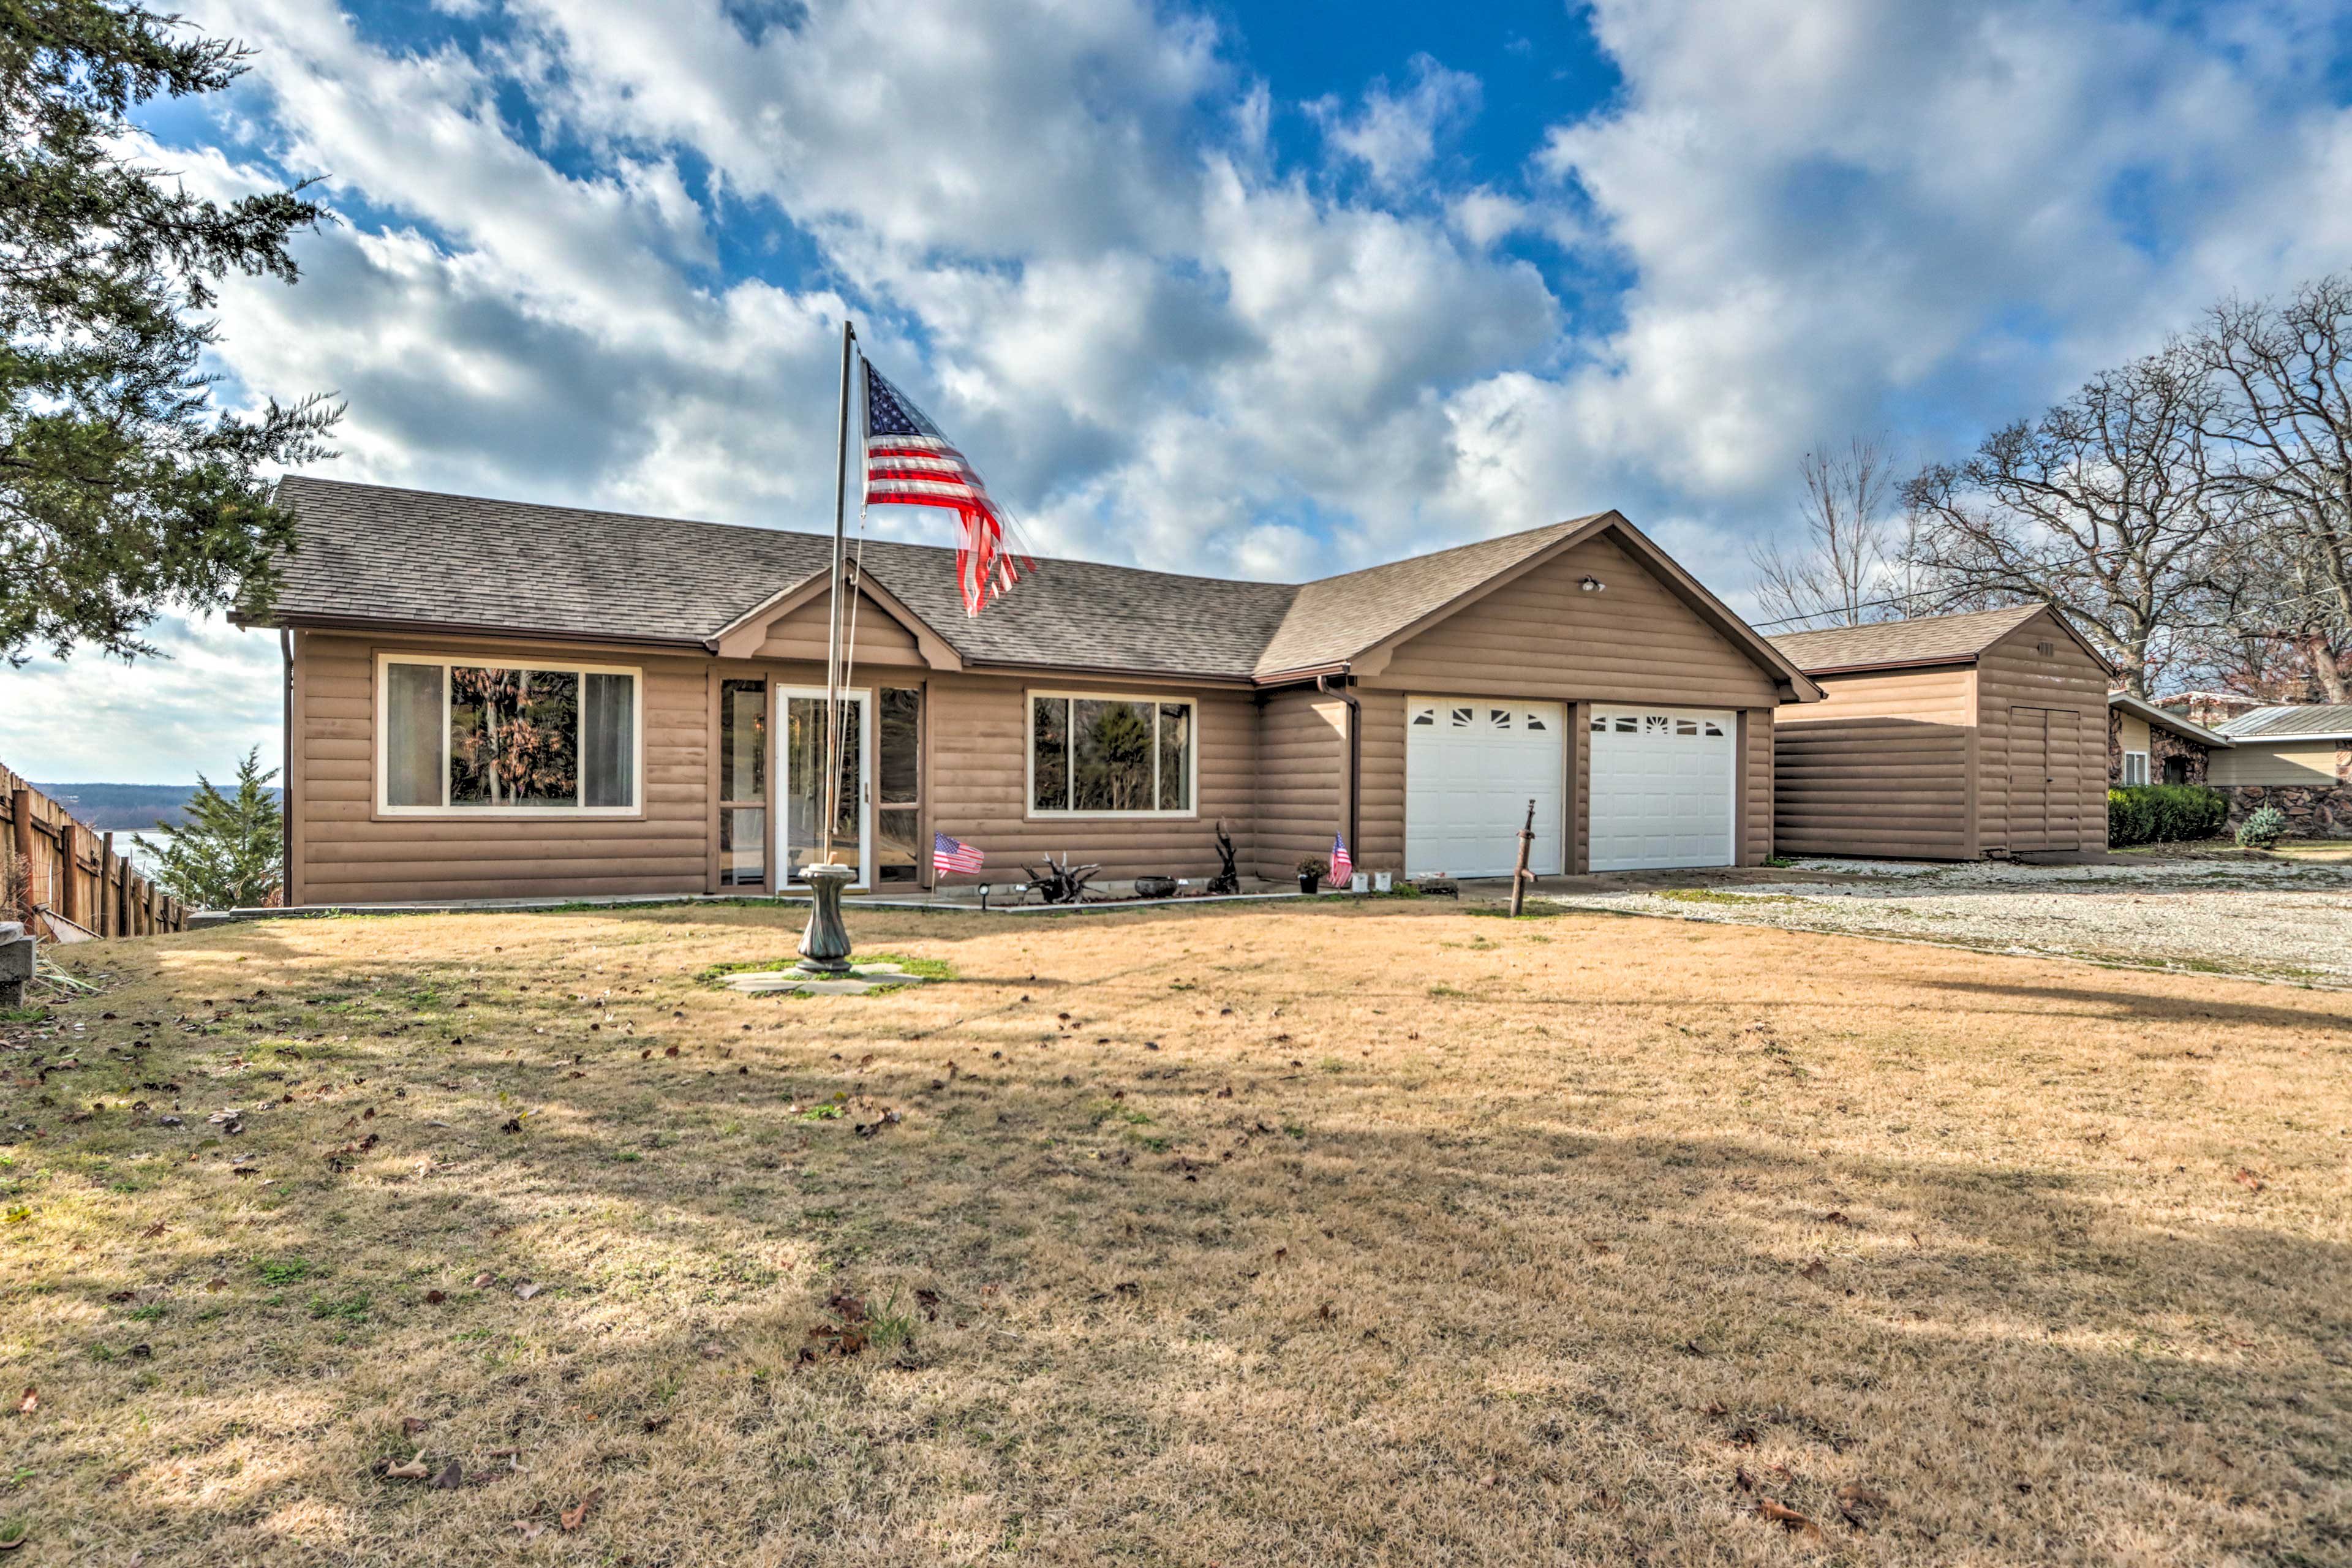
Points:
(1945, 737)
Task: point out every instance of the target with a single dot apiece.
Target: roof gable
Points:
(2164, 719)
(1921, 639)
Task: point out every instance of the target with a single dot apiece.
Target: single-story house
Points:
(1945, 737)
(2151, 744)
(492, 698)
(2296, 757)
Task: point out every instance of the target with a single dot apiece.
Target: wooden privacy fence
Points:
(67, 876)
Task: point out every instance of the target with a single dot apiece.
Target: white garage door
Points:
(1662, 787)
(1471, 766)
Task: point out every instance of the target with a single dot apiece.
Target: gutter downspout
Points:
(285, 772)
(1355, 792)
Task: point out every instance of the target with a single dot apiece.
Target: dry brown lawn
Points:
(1260, 1235)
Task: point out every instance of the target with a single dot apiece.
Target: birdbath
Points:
(824, 946)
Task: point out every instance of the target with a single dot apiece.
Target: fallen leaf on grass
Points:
(1859, 1505)
(2248, 1180)
(527, 1290)
(574, 1517)
(414, 1470)
(412, 1424)
(30, 1403)
(451, 1478)
(153, 1231)
(1789, 1519)
(434, 1297)
(529, 1528)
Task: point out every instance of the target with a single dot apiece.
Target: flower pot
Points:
(1308, 883)
(1360, 883)
(1383, 881)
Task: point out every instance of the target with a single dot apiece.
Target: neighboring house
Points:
(2297, 758)
(490, 699)
(1945, 737)
(2151, 744)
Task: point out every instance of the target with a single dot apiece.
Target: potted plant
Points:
(1311, 872)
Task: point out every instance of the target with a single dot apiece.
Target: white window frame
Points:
(2127, 781)
(1029, 757)
(446, 812)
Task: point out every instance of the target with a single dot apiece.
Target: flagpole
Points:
(831, 795)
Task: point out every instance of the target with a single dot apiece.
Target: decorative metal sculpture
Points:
(1061, 884)
(1228, 880)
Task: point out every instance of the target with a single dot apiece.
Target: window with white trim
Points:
(462, 739)
(1093, 755)
(2135, 767)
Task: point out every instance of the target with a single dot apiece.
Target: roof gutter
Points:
(464, 628)
(1354, 790)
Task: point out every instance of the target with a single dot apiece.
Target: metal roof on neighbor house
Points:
(2301, 720)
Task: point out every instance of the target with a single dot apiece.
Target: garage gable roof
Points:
(1340, 620)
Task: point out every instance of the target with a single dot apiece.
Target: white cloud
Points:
(1394, 135)
(1071, 234)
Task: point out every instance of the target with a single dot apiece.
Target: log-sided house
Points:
(495, 700)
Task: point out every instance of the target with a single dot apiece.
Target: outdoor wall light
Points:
(1591, 584)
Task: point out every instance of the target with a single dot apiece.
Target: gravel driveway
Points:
(2263, 920)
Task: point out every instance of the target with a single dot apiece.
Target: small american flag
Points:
(950, 855)
(1342, 867)
(909, 463)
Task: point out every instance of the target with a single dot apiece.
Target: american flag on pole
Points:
(950, 855)
(909, 463)
(1342, 865)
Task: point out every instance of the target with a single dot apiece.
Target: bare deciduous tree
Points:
(2287, 431)
(1850, 569)
(2103, 508)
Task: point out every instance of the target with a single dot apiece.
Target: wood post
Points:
(20, 805)
(70, 877)
(1520, 875)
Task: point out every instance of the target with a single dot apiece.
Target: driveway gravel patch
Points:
(2262, 920)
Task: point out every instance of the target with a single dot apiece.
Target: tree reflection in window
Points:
(513, 736)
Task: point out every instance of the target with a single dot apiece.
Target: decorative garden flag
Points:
(909, 463)
(949, 856)
(1342, 868)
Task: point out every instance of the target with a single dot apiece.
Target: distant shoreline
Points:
(125, 808)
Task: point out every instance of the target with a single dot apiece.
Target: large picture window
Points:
(1109, 757)
(471, 738)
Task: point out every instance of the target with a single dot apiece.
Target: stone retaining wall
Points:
(2312, 811)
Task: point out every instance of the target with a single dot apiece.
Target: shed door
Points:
(2045, 767)
(1662, 787)
(1471, 766)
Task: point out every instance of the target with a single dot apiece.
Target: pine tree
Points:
(123, 491)
(229, 851)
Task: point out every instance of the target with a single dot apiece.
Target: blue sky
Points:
(1260, 290)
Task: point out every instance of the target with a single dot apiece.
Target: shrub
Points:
(2263, 830)
(2163, 813)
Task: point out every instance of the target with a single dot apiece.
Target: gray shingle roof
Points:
(372, 554)
(1924, 639)
(2306, 721)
